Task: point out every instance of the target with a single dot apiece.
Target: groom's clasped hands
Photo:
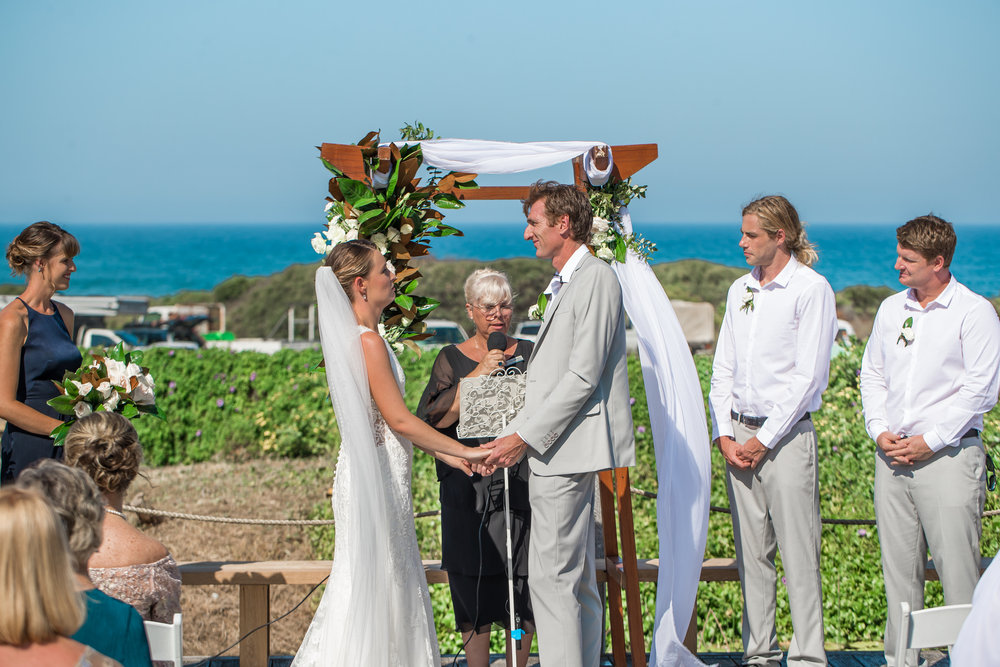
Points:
(500, 453)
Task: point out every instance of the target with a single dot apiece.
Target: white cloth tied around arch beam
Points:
(480, 156)
(683, 453)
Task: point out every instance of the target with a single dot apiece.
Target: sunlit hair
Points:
(76, 501)
(105, 446)
(350, 260)
(487, 287)
(38, 241)
(39, 595)
(775, 212)
(930, 236)
(561, 199)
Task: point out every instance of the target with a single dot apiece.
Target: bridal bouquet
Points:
(115, 381)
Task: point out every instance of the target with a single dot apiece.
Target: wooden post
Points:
(255, 610)
(312, 322)
(291, 324)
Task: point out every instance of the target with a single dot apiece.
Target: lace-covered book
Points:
(489, 403)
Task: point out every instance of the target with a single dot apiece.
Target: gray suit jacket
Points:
(577, 416)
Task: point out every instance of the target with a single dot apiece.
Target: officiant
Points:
(473, 537)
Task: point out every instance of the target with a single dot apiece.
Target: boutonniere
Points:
(537, 311)
(906, 333)
(747, 305)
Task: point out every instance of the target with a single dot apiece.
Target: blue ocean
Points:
(155, 260)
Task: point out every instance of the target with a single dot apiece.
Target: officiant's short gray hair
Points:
(488, 287)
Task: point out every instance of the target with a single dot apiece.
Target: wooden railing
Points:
(256, 578)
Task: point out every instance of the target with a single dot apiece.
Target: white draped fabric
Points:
(673, 392)
(479, 156)
(683, 454)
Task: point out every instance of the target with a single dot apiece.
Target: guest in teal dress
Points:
(111, 627)
(36, 346)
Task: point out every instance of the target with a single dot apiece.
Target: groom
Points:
(576, 421)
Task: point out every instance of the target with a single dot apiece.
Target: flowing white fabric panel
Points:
(480, 156)
(683, 453)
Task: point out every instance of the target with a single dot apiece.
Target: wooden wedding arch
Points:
(622, 567)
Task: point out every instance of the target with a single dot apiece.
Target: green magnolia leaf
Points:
(370, 215)
(152, 411)
(136, 358)
(404, 301)
(410, 286)
(427, 306)
(59, 433)
(448, 230)
(448, 201)
(908, 323)
(62, 404)
(130, 411)
(394, 178)
(356, 193)
(621, 250)
(117, 353)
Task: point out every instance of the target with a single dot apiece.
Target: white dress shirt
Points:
(940, 384)
(562, 277)
(773, 360)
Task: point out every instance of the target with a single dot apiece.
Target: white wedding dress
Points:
(376, 610)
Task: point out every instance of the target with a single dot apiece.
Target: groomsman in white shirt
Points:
(930, 370)
(771, 366)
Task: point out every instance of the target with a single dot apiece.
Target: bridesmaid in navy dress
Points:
(36, 346)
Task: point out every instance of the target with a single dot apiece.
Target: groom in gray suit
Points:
(576, 421)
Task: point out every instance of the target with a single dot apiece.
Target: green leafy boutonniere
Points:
(747, 305)
(537, 311)
(906, 333)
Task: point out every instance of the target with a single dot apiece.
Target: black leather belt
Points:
(971, 433)
(757, 422)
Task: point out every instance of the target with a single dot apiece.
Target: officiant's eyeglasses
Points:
(491, 310)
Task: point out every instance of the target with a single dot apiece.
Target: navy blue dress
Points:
(48, 352)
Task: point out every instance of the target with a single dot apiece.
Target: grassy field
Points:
(248, 406)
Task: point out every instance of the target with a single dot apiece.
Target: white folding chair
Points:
(166, 642)
(929, 628)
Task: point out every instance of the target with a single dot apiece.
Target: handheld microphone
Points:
(496, 341)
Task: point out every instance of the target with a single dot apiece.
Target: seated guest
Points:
(111, 626)
(40, 607)
(130, 566)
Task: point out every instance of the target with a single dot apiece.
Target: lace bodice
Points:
(154, 589)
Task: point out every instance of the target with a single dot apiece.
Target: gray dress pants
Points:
(935, 503)
(562, 574)
(776, 506)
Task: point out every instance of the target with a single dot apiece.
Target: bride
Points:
(376, 610)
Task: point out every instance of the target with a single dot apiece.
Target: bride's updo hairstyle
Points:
(106, 447)
(36, 242)
(350, 260)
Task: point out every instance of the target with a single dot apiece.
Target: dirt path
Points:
(257, 489)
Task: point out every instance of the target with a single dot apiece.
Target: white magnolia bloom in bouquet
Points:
(319, 244)
(605, 253)
(381, 242)
(534, 312)
(407, 228)
(144, 392)
(600, 226)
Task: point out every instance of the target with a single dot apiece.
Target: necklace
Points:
(115, 512)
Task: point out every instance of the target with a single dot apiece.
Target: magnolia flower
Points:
(111, 402)
(407, 228)
(392, 234)
(82, 409)
(406, 321)
(335, 234)
(605, 253)
(392, 267)
(600, 226)
(145, 391)
(534, 312)
(599, 238)
(907, 335)
(116, 372)
(319, 244)
(747, 305)
(329, 205)
(380, 241)
(83, 389)
(351, 235)
(381, 330)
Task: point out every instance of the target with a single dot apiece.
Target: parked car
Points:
(445, 332)
(527, 330)
(88, 338)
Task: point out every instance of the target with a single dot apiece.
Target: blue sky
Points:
(125, 111)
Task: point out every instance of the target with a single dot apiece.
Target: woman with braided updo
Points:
(129, 566)
(36, 346)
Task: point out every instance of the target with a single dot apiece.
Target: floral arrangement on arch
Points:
(114, 381)
(392, 210)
